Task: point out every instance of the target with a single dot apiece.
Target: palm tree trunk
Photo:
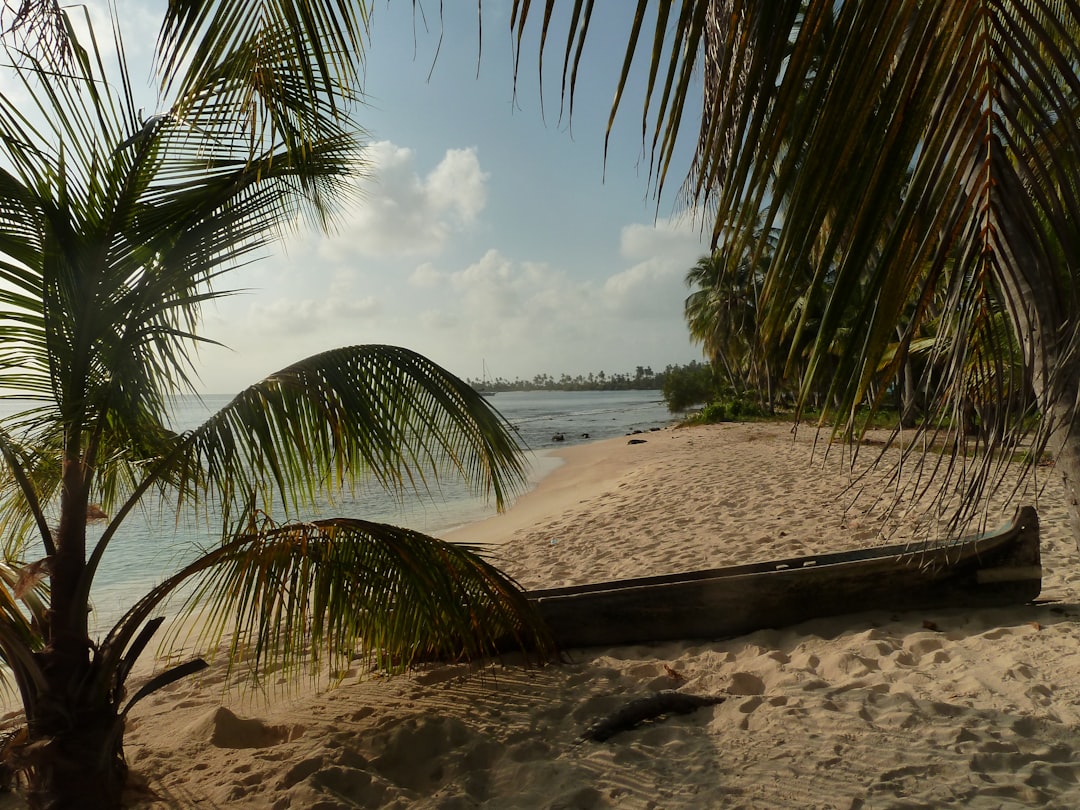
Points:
(1056, 381)
(907, 390)
(1045, 336)
(1033, 297)
(82, 761)
(74, 747)
(1065, 447)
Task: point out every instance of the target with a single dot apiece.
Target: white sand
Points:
(869, 711)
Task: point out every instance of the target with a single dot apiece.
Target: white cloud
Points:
(492, 269)
(404, 214)
(341, 284)
(458, 185)
(532, 315)
(523, 317)
(647, 287)
(307, 316)
(425, 275)
(675, 238)
(437, 320)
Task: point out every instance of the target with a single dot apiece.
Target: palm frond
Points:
(31, 479)
(23, 617)
(289, 69)
(356, 588)
(340, 419)
(300, 595)
(908, 153)
(38, 26)
(348, 414)
(114, 241)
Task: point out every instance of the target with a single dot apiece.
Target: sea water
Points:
(154, 542)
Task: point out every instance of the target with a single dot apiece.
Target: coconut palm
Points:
(115, 228)
(717, 319)
(888, 142)
(723, 314)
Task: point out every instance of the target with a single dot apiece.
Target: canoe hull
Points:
(998, 568)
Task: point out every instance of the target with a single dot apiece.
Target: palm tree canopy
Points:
(115, 230)
(909, 152)
(286, 71)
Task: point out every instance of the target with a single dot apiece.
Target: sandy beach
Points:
(975, 708)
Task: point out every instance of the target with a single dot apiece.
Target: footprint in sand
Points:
(1020, 672)
(1040, 695)
(750, 704)
(746, 683)
(842, 665)
(300, 771)
(922, 645)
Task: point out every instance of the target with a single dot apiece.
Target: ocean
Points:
(153, 543)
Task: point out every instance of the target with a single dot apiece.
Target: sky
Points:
(490, 234)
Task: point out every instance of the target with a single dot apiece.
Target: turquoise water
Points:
(153, 543)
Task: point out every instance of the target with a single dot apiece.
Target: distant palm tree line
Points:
(725, 314)
(643, 379)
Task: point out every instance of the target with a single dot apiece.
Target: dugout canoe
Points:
(995, 568)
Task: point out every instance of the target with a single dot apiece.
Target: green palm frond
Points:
(341, 416)
(23, 593)
(298, 595)
(284, 71)
(23, 616)
(401, 596)
(113, 240)
(30, 480)
(289, 68)
(917, 120)
(344, 418)
(338, 419)
(909, 153)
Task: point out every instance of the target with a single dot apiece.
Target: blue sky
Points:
(489, 232)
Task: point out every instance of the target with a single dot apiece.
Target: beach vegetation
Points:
(735, 409)
(117, 227)
(914, 169)
(692, 384)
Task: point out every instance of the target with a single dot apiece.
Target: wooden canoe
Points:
(996, 568)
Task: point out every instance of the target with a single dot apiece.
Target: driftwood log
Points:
(651, 707)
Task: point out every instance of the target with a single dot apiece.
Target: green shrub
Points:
(730, 409)
(715, 412)
(689, 385)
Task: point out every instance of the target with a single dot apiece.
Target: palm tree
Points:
(888, 142)
(115, 229)
(721, 316)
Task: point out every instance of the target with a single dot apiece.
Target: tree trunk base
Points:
(79, 765)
